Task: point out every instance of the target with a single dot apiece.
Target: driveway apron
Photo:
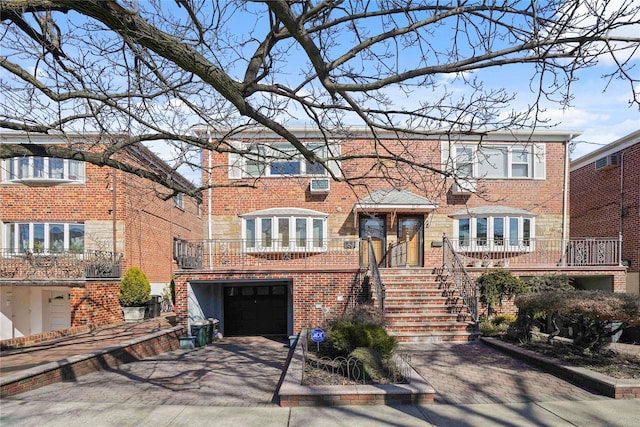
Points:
(242, 371)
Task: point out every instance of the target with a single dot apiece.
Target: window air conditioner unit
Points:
(607, 162)
(464, 187)
(319, 185)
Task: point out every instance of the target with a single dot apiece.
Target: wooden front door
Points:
(376, 228)
(411, 231)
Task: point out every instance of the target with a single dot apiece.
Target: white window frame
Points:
(16, 245)
(178, 201)
(261, 161)
(294, 243)
(11, 170)
(491, 243)
(455, 160)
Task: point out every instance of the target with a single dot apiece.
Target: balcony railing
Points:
(241, 254)
(584, 252)
(59, 265)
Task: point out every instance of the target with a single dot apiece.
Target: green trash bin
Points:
(199, 331)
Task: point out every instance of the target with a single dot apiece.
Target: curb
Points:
(606, 385)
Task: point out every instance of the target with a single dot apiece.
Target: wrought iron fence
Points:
(465, 286)
(62, 264)
(322, 370)
(582, 252)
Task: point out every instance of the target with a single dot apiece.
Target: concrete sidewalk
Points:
(618, 413)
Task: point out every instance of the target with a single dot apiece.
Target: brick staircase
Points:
(422, 305)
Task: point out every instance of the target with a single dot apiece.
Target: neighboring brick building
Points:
(60, 223)
(291, 248)
(605, 199)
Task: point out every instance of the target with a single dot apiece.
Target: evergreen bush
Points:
(135, 289)
(346, 335)
(497, 285)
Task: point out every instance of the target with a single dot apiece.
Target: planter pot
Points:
(187, 343)
(133, 314)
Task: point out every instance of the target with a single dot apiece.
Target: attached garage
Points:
(255, 309)
(244, 307)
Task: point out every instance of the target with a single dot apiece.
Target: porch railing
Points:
(241, 254)
(374, 272)
(582, 252)
(465, 286)
(89, 264)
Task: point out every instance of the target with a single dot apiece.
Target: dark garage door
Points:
(255, 310)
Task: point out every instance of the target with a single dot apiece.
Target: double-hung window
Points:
(42, 169)
(276, 230)
(495, 161)
(260, 160)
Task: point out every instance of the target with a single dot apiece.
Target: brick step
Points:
(416, 310)
(426, 317)
(400, 327)
(424, 293)
(401, 299)
(434, 337)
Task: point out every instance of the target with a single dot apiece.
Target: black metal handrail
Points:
(465, 286)
(374, 271)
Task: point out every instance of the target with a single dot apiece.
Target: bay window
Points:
(45, 169)
(494, 232)
(284, 230)
(44, 237)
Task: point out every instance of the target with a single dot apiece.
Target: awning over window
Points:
(284, 212)
(394, 201)
(483, 211)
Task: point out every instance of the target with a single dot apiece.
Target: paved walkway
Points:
(59, 349)
(475, 373)
(234, 383)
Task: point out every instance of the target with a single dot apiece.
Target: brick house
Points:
(295, 247)
(70, 229)
(605, 199)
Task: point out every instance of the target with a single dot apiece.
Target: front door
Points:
(376, 228)
(411, 231)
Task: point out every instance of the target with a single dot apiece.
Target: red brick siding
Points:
(151, 224)
(541, 197)
(309, 288)
(96, 304)
(596, 197)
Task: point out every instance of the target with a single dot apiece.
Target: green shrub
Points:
(503, 319)
(135, 289)
(345, 336)
(550, 282)
(498, 325)
(497, 285)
